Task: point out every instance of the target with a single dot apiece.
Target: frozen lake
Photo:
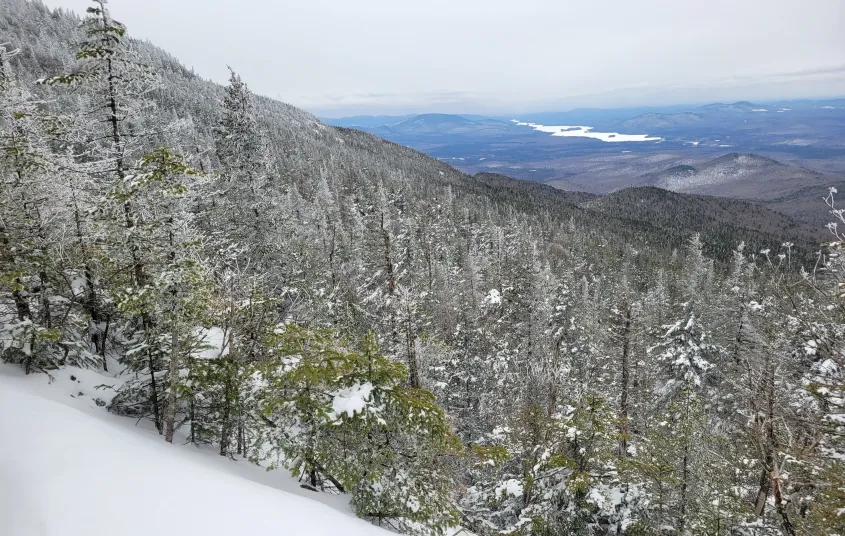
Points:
(586, 132)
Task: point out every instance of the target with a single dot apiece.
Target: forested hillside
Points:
(444, 349)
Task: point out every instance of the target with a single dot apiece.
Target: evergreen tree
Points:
(43, 330)
(110, 134)
(346, 418)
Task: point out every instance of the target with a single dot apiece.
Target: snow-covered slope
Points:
(68, 468)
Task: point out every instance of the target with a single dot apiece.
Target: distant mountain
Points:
(399, 127)
(671, 175)
(735, 107)
(745, 176)
(655, 120)
(364, 122)
(810, 133)
(596, 117)
(733, 174)
(722, 222)
(807, 203)
(703, 120)
(793, 190)
(538, 189)
(674, 217)
(427, 126)
(425, 123)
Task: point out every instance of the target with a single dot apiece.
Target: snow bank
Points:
(68, 468)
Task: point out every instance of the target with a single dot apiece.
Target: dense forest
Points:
(447, 350)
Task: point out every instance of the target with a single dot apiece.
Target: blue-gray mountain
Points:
(782, 154)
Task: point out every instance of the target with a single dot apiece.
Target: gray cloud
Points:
(338, 57)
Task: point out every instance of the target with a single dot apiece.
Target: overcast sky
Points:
(345, 57)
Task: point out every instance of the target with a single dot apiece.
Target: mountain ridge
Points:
(676, 216)
(790, 189)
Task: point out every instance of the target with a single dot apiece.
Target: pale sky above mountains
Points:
(346, 57)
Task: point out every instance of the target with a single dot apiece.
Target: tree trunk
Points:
(626, 379)
(682, 516)
(21, 303)
(22, 308)
(153, 388)
(391, 284)
(170, 410)
(763, 493)
(388, 261)
(89, 301)
(413, 366)
(769, 442)
(240, 433)
(788, 528)
(553, 383)
(192, 407)
(226, 427)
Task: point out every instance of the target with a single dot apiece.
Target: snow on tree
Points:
(444, 349)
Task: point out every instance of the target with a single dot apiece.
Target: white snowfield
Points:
(586, 132)
(68, 468)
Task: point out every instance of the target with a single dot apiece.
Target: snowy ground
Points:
(69, 468)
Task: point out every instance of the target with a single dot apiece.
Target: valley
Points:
(781, 155)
